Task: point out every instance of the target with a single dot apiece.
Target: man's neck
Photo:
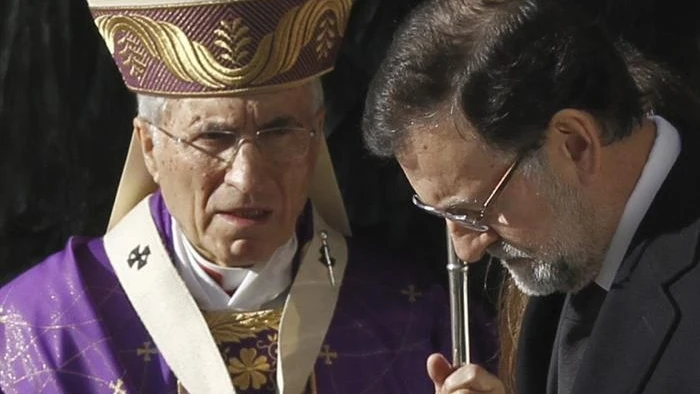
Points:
(625, 160)
(658, 161)
(255, 288)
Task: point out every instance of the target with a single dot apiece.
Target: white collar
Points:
(257, 286)
(663, 155)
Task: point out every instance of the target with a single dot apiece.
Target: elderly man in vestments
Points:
(227, 266)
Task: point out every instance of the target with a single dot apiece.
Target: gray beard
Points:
(566, 263)
(538, 277)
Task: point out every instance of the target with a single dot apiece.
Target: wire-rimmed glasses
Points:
(279, 144)
(471, 219)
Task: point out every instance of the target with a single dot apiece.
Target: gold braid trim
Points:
(232, 327)
(191, 61)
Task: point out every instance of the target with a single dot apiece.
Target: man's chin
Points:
(518, 262)
(537, 278)
(522, 270)
(244, 261)
(534, 289)
(243, 253)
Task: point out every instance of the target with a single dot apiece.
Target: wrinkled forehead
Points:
(443, 157)
(299, 104)
(439, 137)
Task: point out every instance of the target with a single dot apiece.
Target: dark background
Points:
(65, 122)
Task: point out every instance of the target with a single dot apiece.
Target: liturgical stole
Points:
(179, 328)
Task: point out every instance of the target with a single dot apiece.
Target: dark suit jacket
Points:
(646, 338)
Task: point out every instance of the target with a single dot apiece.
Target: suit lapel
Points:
(638, 316)
(535, 343)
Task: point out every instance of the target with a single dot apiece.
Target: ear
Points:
(574, 144)
(145, 136)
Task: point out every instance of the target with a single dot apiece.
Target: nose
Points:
(246, 169)
(469, 245)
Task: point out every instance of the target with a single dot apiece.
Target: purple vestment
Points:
(66, 326)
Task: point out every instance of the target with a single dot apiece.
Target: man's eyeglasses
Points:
(279, 144)
(471, 219)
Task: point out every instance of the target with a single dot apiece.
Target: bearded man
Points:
(520, 123)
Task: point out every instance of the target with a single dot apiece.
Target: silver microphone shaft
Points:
(457, 271)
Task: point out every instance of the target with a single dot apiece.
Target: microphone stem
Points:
(457, 272)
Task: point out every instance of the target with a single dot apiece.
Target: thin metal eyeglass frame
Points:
(472, 220)
(239, 142)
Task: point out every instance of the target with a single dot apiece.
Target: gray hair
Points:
(317, 93)
(152, 108)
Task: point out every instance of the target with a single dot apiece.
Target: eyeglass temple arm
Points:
(504, 179)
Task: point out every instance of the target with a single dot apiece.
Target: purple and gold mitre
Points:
(214, 47)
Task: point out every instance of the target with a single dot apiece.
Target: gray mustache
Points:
(505, 251)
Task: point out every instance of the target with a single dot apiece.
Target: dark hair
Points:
(509, 65)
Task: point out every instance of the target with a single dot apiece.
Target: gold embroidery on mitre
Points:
(233, 38)
(325, 38)
(134, 55)
(275, 54)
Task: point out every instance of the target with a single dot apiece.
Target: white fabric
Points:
(309, 308)
(164, 305)
(169, 312)
(231, 277)
(255, 286)
(663, 155)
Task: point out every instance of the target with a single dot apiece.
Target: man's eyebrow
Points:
(281, 121)
(462, 203)
(209, 127)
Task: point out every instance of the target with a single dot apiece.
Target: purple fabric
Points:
(67, 327)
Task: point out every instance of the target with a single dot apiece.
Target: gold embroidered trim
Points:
(249, 367)
(121, 6)
(257, 90)
(233, 38)
(232, 327)
(190, 61)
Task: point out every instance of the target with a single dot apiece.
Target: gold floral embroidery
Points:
(268, 345)
(249, 369)
(227, 327)
(326, 38)
(134, 54)
(233, 38)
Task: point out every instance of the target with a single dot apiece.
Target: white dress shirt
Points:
(663, 155)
